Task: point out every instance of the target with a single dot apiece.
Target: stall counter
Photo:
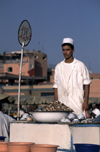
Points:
(62, 134)
(41, 133)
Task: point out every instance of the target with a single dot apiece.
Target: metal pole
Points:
(20, 80)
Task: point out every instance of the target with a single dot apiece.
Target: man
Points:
(69, 78)
(5, 124)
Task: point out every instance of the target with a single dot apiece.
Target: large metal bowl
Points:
(49, 116)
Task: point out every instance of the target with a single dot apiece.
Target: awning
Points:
(94, 100)
(29, 100)
(6, 98)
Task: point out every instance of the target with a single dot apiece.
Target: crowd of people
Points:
(94, 112)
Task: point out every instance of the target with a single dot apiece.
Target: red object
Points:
(87, 114)
(31, 72)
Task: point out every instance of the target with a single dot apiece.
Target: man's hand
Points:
(85, 106)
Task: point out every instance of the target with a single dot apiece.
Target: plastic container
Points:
(43, 148)
(19, 146)
(3, 146)
(86, 148)
(2, 138)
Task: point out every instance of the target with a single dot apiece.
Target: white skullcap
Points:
(68, 40)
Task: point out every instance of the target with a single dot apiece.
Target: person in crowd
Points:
(69, 78)
(5, 124)
(22, 111)
(93, 106)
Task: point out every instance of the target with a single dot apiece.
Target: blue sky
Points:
(51, 21)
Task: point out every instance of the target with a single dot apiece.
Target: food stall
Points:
(48, 129)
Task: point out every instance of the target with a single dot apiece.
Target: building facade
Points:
(13, 66)
(34, 64)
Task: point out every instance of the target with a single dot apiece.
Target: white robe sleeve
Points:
(86, 76)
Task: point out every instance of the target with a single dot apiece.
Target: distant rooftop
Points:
(94, 76)
(51, 66)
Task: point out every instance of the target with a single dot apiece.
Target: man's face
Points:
(67, 51)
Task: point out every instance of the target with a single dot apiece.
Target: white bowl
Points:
(48, 116)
